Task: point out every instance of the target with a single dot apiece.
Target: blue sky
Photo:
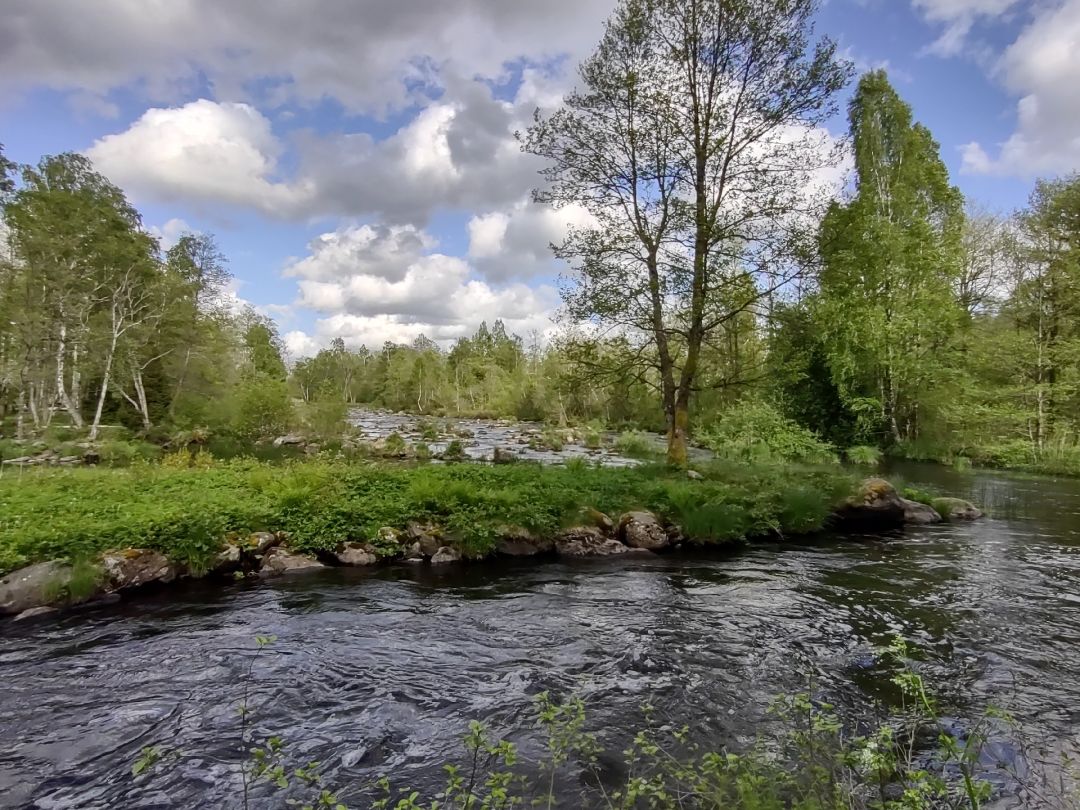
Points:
(355, 159)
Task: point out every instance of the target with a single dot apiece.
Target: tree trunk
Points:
(678, 433)
(140, 392)
(105, 377)
(66, 400)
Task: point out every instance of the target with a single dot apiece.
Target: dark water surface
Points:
(380, 671)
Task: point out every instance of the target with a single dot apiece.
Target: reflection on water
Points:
(380, 671)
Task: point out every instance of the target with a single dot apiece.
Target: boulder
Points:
(278, 561)
(446, 554)
(594, 517)
(357, 554)
(587, 541)
(135, 567)
(426, 535)
(262, 542)
(877, 506)
(643, 530)
(957, 509)
(35, 586)
(919, 514)
(414, 553)
(517, 542)
(694, 475)
(388, 536)
(228, 559)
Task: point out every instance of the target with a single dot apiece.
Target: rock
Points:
(414, 553)
(587, 541)
(34, 613)
(956, 509)
(291, 440)
(643, 530)
(877, 506)
(388, 536)
(262, 542)
(34, 586)
(517, 542)
(135, 567)
(356, 554)
(446, 554)
(69, 460)
(91, 457)
(227, 559)
(594, 517)
(694, 475)
(427, 536)
(503, 456)
(278, 561)
(919, 514)
(19, 460)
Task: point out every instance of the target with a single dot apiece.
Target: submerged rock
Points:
(957, 509)
(587, 541)
(643, 530)
(919, 513)
(135, 567)
(35, 613)
(877, 506)
(446, 554)
(278, 561)
(35, 586)
(357, 554)
(523, 543)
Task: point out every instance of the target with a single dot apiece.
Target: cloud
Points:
(516, 243)
(368, 55)
(404, 293)
(1040, 68)
(958, 18)
(455, 153)
(202, 151)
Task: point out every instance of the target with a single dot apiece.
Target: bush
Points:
(636, 444)
(757, 432)
(264, 408)
(863, 454)
(326, 418)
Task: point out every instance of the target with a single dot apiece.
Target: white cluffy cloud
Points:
(958, 17)
(459, 152)
(1041, 68)
(372, 284)
(203, 151)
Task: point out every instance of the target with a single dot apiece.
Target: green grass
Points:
(185, 511)
(863, 454)
(635, 444)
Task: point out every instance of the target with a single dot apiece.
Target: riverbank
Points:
(71, 535)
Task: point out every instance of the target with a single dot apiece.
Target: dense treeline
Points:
(101, 326)
(898, 316)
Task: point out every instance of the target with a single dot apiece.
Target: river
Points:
(379, 671)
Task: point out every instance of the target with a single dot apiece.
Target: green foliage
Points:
(863, 454)
(186, 510)
(757, 432)
(635, 444)
(325, 417)
(264, 408)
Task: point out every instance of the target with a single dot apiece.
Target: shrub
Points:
(455, 451)
(636, 444)
(593, 439)
(264, 408)
(863, 454)
(757, 432)
(326, 417)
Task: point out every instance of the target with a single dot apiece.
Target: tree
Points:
(691, 146)
(891, 260)
(7, 169)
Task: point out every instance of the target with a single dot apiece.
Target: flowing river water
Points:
(379, 671)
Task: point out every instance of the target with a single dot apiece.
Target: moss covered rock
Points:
(956, 509)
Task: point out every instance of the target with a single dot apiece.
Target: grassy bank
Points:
(185, 512)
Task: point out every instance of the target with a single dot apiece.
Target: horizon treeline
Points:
(918, 322)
